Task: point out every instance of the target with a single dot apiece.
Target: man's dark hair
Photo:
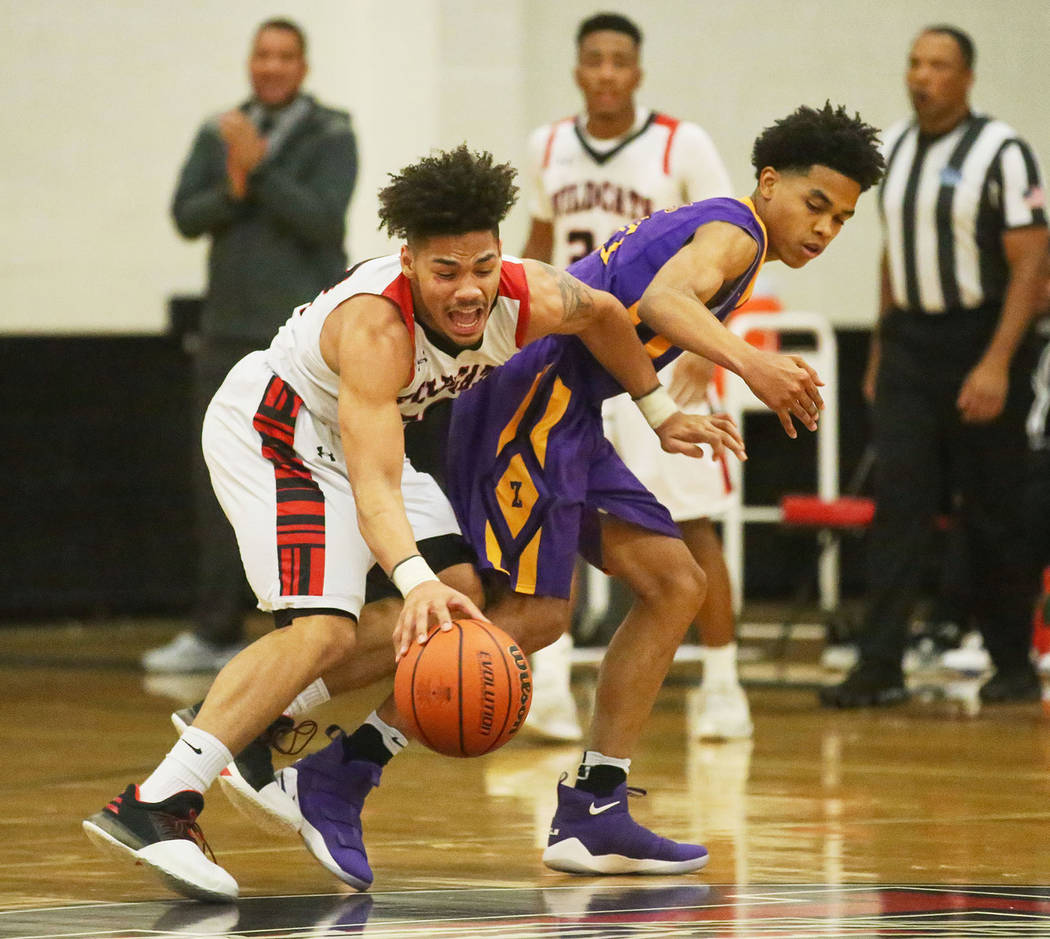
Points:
(285, 24)
(448, 193)
(828, 137)
(962, 40)
(610, 21)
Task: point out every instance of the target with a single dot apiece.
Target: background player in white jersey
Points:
(306, 447)
(591, 174)
(616, 161)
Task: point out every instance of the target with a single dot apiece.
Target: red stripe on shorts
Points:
(300, 524)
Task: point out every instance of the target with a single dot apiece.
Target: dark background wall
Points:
(97, 513)
(96, 470)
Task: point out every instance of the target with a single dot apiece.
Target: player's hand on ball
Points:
(681, 433)
(426, 604)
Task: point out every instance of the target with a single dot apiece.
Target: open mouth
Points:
(811, 250)
(466, 322)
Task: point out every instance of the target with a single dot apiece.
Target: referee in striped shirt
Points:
(964, 238)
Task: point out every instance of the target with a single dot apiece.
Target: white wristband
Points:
(656, 406)
(410, 573)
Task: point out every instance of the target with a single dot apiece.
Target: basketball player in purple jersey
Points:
(544, 483)
(534, 481)
(591, 174)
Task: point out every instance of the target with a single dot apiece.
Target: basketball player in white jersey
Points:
(305, 443)
(592, 174)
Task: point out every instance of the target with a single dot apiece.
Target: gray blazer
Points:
(283, 244)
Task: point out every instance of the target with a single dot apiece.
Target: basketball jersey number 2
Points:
(581, 243)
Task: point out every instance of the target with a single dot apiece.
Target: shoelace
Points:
(188, 828)
(301, 734)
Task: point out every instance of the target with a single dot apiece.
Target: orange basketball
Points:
(465, 692)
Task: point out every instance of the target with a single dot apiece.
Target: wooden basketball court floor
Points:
(930, 819)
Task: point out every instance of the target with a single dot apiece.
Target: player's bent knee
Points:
(679, 582)
(325, 639)
(542, 634)
(533, 622)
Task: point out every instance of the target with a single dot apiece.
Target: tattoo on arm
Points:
(576, 299)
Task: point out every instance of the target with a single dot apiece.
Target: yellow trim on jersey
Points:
(516, 502)
(511, 430)
(527, 564)
(516, 492)
(556, 407)
(658, 345)
(746, 295)
(607, 249)
(492, 549)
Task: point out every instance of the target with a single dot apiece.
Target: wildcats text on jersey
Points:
(444, 386)
(604, 195)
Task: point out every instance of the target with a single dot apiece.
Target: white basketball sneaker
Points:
(163, 836)
(971, 658)
(187, 652)
(553, 714)
(720, 712)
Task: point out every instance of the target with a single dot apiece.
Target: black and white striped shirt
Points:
(945, 202)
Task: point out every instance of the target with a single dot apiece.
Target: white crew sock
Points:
(720, 665)
(594, 758)
(193, 763)
(310, 697)
(552, 667)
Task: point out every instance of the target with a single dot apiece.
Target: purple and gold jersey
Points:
(530, 471)
(627, 263)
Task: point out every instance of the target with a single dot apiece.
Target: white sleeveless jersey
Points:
(295, 353)
(589, 188)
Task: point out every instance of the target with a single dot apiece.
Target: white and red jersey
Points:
(588, 188)
(295, 353)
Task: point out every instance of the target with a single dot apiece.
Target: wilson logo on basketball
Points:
(525, 682)
(466, 690)
(488, 693)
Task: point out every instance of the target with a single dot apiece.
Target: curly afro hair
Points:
(448, 193)
(827, 137)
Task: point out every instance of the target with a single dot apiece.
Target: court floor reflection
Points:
(587, 911)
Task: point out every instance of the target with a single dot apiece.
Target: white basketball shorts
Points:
(689, 488)
(280, 477)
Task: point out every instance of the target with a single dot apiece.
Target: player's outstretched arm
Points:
(559, 303)
(563, 304)
(674, 305)
(374, 360)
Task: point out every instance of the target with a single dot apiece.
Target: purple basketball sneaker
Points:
(596, 835)
(330, 791)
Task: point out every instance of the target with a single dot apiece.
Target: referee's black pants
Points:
(923, 451)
